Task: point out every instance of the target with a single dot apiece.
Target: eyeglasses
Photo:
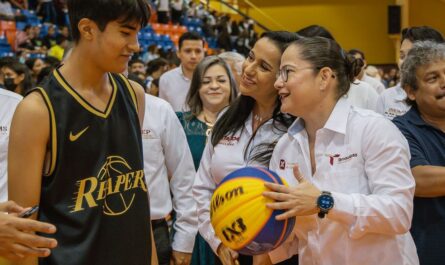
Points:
(284, 72)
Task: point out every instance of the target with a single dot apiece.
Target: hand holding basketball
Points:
(297, 201)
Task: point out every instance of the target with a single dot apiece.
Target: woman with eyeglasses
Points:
(245, 134)
(350, 184)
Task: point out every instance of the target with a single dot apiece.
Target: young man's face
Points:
(115, 46)
(430, 93)
(191, 53)
(404, 49)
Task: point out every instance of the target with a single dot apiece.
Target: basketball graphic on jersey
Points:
(110, 173)
(113, 188)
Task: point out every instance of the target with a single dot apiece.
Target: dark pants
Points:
(162, 241)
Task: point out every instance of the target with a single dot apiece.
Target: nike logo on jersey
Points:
(74, 137)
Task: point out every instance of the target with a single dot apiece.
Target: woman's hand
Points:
(227, 256)
(296, 201)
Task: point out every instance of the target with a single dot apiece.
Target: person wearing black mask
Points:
(16, 77)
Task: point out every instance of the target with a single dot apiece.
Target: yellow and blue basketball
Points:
(239, 215)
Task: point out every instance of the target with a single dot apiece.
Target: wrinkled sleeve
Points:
(203, 188)
(388, 208)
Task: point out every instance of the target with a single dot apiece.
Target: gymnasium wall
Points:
(355, 24)
(427, 12)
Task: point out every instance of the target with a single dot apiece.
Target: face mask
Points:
(9, 84)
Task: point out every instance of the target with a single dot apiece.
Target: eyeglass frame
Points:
(285, 69)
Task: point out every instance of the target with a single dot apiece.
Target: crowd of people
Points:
(91, 139)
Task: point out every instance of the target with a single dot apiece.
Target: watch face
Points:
(325, 202)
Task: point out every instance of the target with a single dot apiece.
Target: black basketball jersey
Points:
(94, 190)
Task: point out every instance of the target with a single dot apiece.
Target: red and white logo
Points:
(340, 159)
(282, 164)
(332, 157)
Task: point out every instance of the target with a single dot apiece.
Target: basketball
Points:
(239, 215)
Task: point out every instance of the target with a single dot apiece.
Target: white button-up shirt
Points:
(391, 103)
(362, 95)
(8, 103)
(173, 88)
(217, 162)
(369, 176)
(374, 82)
(168, 166)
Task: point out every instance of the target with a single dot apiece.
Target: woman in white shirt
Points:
(245, 133)
(352, 192)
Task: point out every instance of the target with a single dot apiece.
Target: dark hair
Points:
(237, 113)
(353, 52)
(315, 31)
(30, 62)
(135, 78)
(20, 69)
(155, 65)
(52, 61)
(190, 35)
(135, 60)
(104, 11)
(43, 75)
(421, 33)
(322, 52)
(193, 99)
(7, 60)
(423, 53)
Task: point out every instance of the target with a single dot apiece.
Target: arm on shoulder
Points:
(140, 95)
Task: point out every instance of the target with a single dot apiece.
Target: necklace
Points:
(209, 125)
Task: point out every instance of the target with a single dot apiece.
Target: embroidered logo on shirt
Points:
(332, 157)
(282, 164)
(147, 134)
(339, 158)
(392, 112)
(229, 140)
(74, 137)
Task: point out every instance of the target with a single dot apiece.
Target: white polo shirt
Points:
(217, 162)
(362, 95)
(369, 175)
(391, 103)
(8, 103)
(374, 82)
(168, 166)
(173, 88)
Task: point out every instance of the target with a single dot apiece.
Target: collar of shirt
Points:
(400, 93)
(413, 117)
(337, 120)
(181, 73)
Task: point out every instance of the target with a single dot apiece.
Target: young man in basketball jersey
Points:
(75, 145)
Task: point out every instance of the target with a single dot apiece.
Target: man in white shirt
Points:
(175, 84)
(375, 83)
(391, 103)
(8, 103)
(169, 169)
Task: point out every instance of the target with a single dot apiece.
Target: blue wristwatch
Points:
(325, 202)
